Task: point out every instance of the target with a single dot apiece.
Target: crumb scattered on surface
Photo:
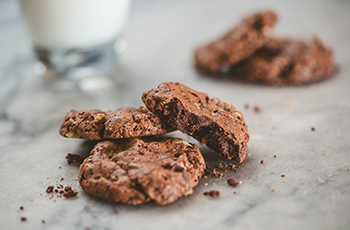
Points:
(274, 156)
(257, 109)
(246, 106)
(23, 219)
(282, 175)
(49, 189)
(74, 158)
(70, 193)
(212, 193)
(272, 190)
(22, 208)
(43, 221)
(232, 182)
(312, 129)
(262, 162)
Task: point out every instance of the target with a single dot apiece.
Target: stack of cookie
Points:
(248, 53)
(139, 165)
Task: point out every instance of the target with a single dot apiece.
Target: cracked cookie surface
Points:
(137, 171)
(216, 124)
(122, 123)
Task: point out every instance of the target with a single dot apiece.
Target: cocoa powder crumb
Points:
(70, 193)
(74, 158)
(262, 162)
(23, 219)
(212, 193)
(49, 189)
(232, 182)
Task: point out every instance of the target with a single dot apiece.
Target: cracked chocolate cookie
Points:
(216, 124)
(287, 62)
(137, 171)
(237, 44)
(122, 123)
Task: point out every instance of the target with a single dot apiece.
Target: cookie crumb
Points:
(43, 221)
(282, 175)
(23, 219)
(262, 162)
(274, 156)
(212, 193)
(49, 189)
(312, 129)
(22, 208)
(257, 109)
(69, 193)
(232, 182)
(272, 190)
(74, 158)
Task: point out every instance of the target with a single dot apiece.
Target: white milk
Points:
(74, 23)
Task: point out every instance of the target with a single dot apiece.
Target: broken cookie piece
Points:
(216, 124)
(237, 44)
(122, 123)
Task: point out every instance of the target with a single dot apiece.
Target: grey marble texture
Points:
(161, 36)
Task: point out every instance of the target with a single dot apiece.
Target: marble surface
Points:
(315, 192)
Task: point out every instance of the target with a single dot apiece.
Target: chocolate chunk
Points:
(216, 124)
(49, 189)
(212, 193)
(122, 123)
(237, 44)
(287, 62)
(74, 159)
(153, 170)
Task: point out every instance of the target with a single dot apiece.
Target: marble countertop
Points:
(315, 192)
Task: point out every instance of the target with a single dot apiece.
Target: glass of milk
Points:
(75, 39)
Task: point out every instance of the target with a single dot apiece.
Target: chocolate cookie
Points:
(287, 62)
(122, 123)
(237, 44)
(216, 124)
(137, 171)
